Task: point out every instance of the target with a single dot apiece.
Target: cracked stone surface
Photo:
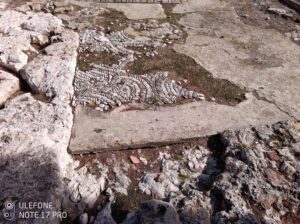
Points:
(123, 128)
(245, 54)
(35, 135)
(9, 84)
(53, 72)
(18, 31)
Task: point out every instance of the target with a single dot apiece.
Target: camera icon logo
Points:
(9, 210)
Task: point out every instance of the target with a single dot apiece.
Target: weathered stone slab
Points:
(9, 84)
(247, 56)
(121, 129)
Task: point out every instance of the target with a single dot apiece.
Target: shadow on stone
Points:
(24, 179)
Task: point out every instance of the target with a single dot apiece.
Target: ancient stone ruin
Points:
(183, 113)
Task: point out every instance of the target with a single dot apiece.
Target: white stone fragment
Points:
(9, 84)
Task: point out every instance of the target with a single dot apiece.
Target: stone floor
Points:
(245, 55)
(62, 137)
(123, 128)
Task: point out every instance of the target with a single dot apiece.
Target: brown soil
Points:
(115, 20)
(109, 21)
(16, 3)
(182, 67)
(125, 204)
(86, 59)
(255, 15)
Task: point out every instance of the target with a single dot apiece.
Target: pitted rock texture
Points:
(260, 182)
(255, 179)
(34, 140)
(177, 173)
(9, 84)
(34, 135)
(108, 87)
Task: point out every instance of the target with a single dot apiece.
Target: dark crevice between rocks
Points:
(24, 87)
(293, 4)
(126, 204)
(218, 148)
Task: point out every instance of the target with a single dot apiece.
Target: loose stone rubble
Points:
(178, 172)
(109, 87)
(254, 178)
(9, 84)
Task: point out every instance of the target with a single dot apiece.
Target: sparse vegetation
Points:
(181, 68)
(86, 59)
(183, 176)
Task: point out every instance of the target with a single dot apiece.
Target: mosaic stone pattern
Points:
(106, 87)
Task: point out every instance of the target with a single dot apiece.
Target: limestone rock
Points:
(154, 211)
(35, 136)
(104, 216)
(18, 31)
(42, 22)
(256, 173)
(9, 84)
(84, 218)
(53, 73)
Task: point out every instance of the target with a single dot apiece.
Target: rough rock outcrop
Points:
(18, 31)
(260, 182)
(34, 140)
(35, 164)
(9, 84)
(53, 72)
(153, 211)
